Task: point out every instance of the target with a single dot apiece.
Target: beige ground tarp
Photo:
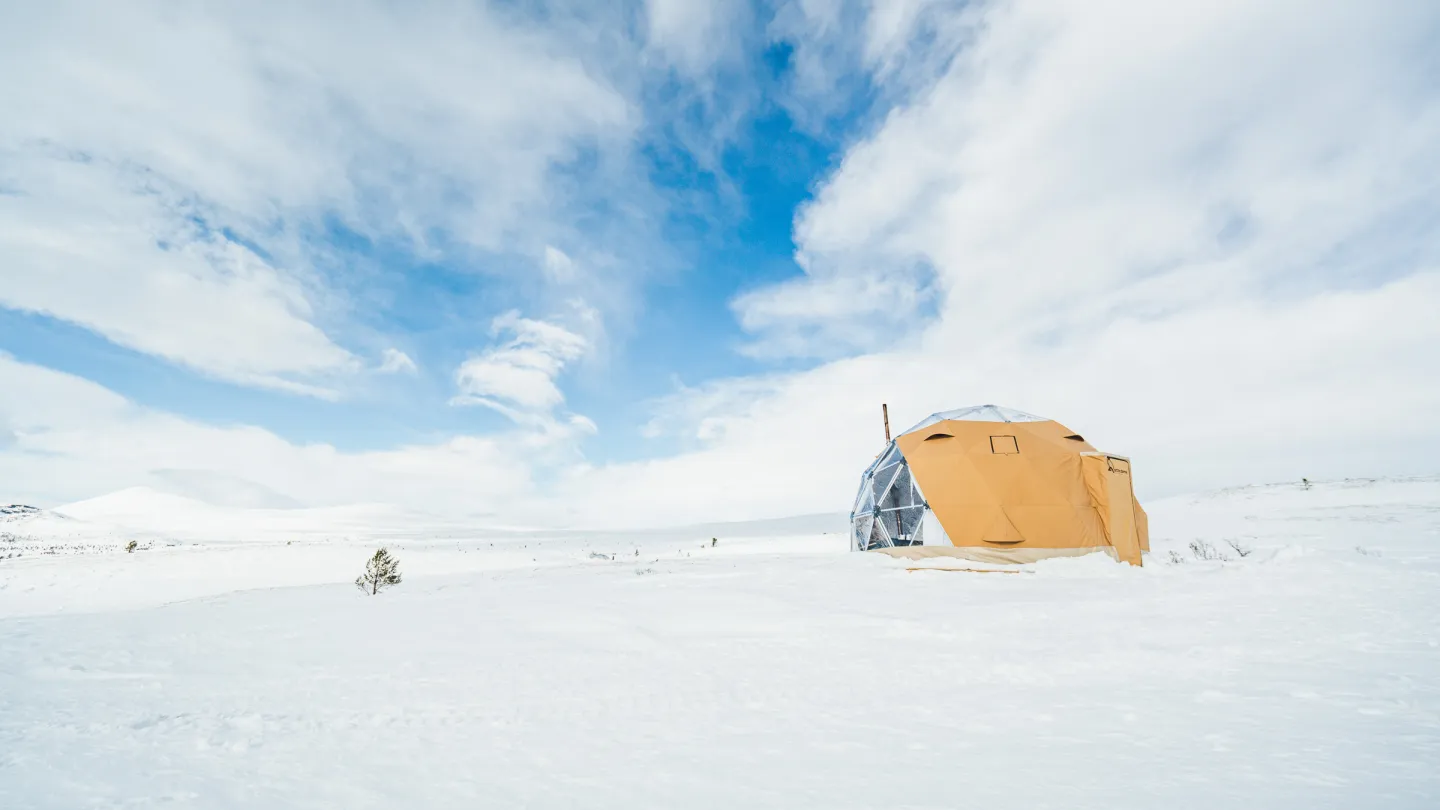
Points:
(1002, 556)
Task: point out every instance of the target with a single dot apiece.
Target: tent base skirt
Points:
(1002, 556)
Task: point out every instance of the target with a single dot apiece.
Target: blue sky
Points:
(724, 221)
(725, 225)
(552, 257)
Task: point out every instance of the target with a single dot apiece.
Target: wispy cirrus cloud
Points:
(693, 35)
(394, 361)
(170, 173)
(114, 249)
(517, 376)
(74, 439)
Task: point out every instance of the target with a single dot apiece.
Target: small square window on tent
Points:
(1004, 445)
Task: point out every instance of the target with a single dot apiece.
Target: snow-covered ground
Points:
(229, 663)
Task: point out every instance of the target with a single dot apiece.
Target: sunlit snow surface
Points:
(220, 667)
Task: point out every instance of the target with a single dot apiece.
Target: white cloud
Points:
(709, 413)
(832, 314)
(74, 439)
(1074, 152)
(693, 35)
(558, 265)
(848, 57)
(1186, 229)
(1079, 161)
(1338, 384)
(517, 375)
(163, 167)
(394, 361)
(266, 112)
(123, 255)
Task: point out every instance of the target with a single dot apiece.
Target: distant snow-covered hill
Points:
(1318, 514)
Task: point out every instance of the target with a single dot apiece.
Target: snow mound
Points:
(222, 489)
(1399, 516)
(141, 506)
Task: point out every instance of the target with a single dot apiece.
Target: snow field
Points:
(766, 672)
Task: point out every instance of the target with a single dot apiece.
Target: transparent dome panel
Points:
(889, 509)
(978, 413)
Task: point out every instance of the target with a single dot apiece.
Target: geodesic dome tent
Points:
(997, 485)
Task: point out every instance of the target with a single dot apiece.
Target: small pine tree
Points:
(381, 571)
(131, 546)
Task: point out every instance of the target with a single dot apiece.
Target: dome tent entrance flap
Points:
(999, 485)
